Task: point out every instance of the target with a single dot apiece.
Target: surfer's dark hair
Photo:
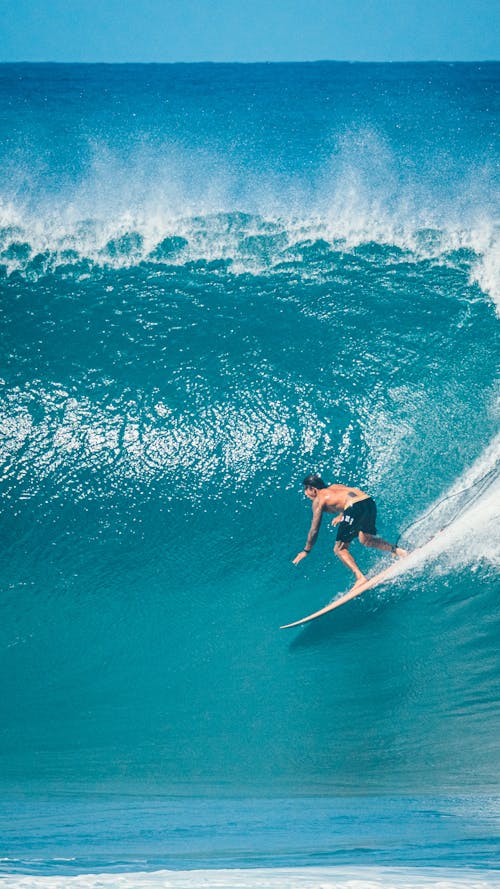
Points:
(314, 481)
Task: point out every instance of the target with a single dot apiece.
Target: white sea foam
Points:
(466, 518)
(127, 235)
(122, 215)
(271, 878)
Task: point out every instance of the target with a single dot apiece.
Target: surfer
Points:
(357, 517)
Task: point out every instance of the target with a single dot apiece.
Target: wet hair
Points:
(314, 481)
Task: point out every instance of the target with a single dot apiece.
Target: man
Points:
(357, 516)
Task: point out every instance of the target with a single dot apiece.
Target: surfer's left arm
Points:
(313, 533)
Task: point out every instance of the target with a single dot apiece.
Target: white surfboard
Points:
(356, 590)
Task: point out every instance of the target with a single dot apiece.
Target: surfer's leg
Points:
(341, 550)
(372, 540)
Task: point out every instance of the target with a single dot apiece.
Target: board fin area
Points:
(356, 590)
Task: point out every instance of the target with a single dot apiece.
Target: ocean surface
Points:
(215, 279)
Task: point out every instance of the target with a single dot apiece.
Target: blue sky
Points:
(246, 31)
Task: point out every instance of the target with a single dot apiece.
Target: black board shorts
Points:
(361, 516)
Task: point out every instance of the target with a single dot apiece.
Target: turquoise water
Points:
(215, 279)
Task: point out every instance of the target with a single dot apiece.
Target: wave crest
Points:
(239, 243)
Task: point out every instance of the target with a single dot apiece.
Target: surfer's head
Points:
(312, 484)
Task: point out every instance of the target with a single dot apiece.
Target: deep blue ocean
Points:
(215, 279)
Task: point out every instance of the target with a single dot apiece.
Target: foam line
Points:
(275, 878)
(468, 513)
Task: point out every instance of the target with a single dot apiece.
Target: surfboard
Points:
(356, 590)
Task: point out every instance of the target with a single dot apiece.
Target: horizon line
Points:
(485, 61)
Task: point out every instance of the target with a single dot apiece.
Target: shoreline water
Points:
(271, 878)
(62, 835)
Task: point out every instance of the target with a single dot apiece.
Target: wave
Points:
(239, 243)
(177, 206)
(186, 333)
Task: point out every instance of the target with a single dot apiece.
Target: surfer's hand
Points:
(337, 520)
(299, 557)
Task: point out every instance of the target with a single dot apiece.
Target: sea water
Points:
(215, 279)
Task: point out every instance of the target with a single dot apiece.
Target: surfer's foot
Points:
(359, 581)
(398, 552)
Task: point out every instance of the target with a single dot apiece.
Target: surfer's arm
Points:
(313, 533)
